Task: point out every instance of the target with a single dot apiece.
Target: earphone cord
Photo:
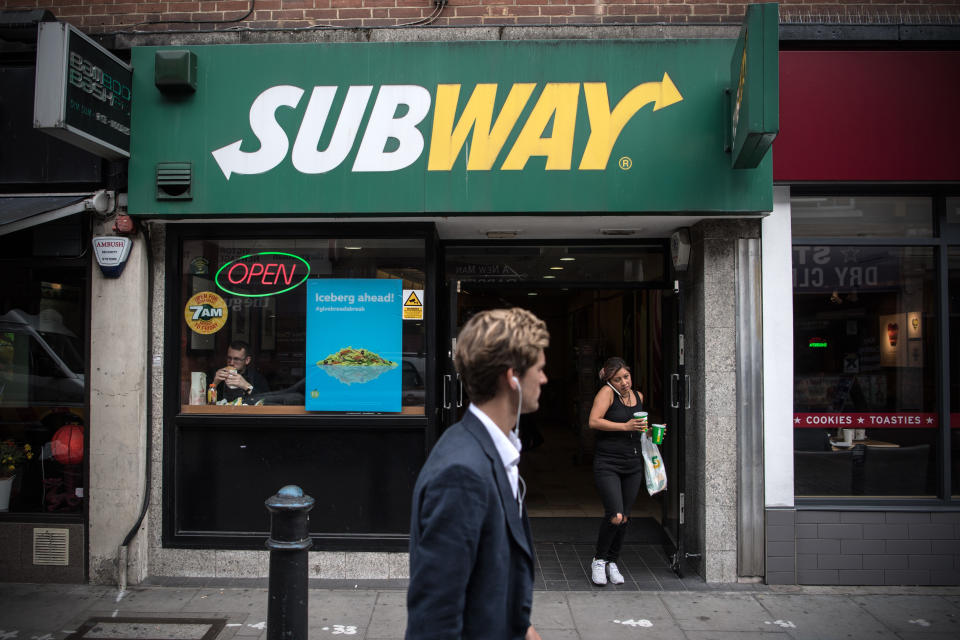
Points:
(516, 428)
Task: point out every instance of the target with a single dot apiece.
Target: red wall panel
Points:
(868, 116)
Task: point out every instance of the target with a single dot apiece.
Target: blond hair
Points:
(492, 342)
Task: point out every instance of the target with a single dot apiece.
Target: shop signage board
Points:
(447, 128)
(754, 86)
(354, 344)
(867, 420)
(845, 269)
(83, 92)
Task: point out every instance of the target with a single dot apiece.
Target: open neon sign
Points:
(263, 274)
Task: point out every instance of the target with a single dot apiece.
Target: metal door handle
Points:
(674, 380)
(459, 391)
(686, 382)
(446, 383)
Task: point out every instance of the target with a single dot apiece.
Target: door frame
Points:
(449, 395)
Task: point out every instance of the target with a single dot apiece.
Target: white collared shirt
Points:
(507, 446)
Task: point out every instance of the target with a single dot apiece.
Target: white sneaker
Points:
(615, 576)
(598, 569)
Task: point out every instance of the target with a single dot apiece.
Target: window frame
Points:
(174, 421)
(944, 235)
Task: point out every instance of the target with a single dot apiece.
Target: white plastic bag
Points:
(653, 465)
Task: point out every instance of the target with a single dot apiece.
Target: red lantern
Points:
(67, 444)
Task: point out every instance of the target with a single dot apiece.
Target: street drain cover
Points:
(149, 629)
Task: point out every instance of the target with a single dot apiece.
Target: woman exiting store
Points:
(617, 462)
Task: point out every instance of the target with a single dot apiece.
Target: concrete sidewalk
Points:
(55, 612)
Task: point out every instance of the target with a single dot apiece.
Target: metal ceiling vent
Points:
(174, 180)
(51, 547)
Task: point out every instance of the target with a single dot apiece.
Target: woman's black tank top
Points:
(620, 443)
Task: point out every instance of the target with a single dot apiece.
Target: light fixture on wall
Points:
(835, 298)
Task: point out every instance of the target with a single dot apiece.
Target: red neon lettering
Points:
(256, 269)
(242, 278)
(282, 269)
(270, 271)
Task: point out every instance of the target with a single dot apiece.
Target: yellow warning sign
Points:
(413, 304)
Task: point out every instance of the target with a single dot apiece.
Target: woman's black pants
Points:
(618, 482)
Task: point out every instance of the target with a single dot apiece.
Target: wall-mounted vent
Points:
(174, 180)
(51, 547)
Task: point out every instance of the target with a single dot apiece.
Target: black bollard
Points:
(288, 543)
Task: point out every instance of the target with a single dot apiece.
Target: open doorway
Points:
(587, 325)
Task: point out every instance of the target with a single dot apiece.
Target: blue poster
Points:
(354, 344)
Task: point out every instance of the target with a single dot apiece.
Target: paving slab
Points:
(562, 634)
(705, 611)
(157, 599)
(622, 615)
(815, 617)
(738, 635)
(389, 619)
(228, 600)
(27, 605)
(551, 612)
(911, 614)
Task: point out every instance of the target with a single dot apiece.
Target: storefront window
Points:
(42, 363)
(303, 325)
(861, 217)
(866, 382)
(954, 293)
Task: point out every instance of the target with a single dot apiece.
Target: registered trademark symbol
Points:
(626, 163)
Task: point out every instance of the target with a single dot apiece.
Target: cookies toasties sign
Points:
(454, 127)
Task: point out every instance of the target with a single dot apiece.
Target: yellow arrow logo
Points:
(606, 125)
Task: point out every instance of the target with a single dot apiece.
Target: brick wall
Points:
(108, 16)
(863, 547)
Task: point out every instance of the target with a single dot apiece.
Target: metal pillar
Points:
(288, 543)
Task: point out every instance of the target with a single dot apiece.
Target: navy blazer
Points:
(471, 553)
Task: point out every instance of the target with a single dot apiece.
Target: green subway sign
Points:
(445, 128)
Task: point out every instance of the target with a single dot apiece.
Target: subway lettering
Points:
(399, 110)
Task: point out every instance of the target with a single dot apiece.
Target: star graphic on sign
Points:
(849, 254)
(860, 420)
(796, 420)
(929, 420)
